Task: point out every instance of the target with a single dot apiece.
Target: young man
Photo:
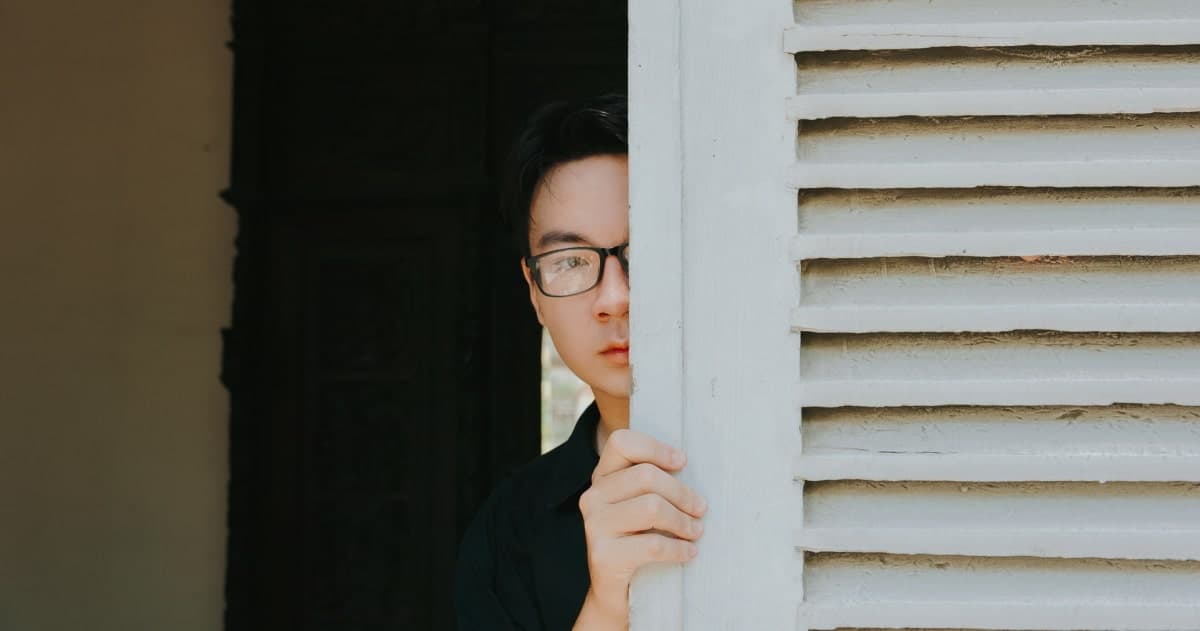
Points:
(556, 545)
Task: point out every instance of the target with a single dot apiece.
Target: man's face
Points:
(586, 203)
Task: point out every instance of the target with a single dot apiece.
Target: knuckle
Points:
(646, 506)
(646, 474)
(655, 507)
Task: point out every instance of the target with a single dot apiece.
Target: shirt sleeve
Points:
(477, 606)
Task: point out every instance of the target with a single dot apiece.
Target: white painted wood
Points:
(973, 294)
(1139, 138)
(1019, 368)
(983, 242)
(1033, 506)
(739, 354)
(904, 12)
(732, 81)
(1002, 355)
(1064, 173)
(980, 102)
(892, 591)
(996, 82)
(1133, 241)
(1027, 391)
(1007, 541)
(884, 37)
(997, 222)
(1143, 150)
(1064, 316)
(1001, 616)
(1139, 521)
(1051, 432)
(901, 24)
(999, 467)
(1033, 423)
(656, 222)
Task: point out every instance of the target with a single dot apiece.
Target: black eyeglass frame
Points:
(620, 251)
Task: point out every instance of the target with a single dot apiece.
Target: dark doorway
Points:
(383, 360)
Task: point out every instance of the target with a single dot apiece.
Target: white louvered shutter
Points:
(999, 313)
(954, 382)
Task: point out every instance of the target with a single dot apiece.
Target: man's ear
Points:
(533, 292)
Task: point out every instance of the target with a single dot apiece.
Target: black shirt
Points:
(523, 560)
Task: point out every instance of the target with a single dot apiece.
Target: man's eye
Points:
(569, 263)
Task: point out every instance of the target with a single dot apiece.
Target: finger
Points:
(644, 478)
(648, 512)
(626, 447)
(652, 548)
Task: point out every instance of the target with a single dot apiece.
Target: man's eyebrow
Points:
(555, 237)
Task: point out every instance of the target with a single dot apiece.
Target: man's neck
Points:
(614, 415)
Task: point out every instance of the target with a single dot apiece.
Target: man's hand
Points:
(634, 513)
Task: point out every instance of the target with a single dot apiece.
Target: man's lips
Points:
(617, 352)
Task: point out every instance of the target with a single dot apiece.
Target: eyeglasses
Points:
(570, 271)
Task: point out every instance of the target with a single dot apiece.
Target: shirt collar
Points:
(576, 460)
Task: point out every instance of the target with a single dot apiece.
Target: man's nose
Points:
(613, 296)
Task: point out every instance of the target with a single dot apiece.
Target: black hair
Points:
(558, 133)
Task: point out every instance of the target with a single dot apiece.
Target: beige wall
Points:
(115, 263)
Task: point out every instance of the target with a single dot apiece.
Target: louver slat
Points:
(1014, 614)
(900, 592)
(1098, 32)
(904, 24)
(1075, 520)
(895, 591)
(996, 82)
(997, 222)
(972, 294)
(1156, 443)
(1000, 467)
(999, 313)
(1016, 368)
(1180, 544)
(1053, 151)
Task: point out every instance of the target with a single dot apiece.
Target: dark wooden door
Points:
(383, 360)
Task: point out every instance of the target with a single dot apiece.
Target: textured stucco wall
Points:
(115, 277)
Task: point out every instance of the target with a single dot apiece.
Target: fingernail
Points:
(701, 505)
(697, 528)
(677, 459)
(692, 550)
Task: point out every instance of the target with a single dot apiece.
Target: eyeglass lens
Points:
(570, 271)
